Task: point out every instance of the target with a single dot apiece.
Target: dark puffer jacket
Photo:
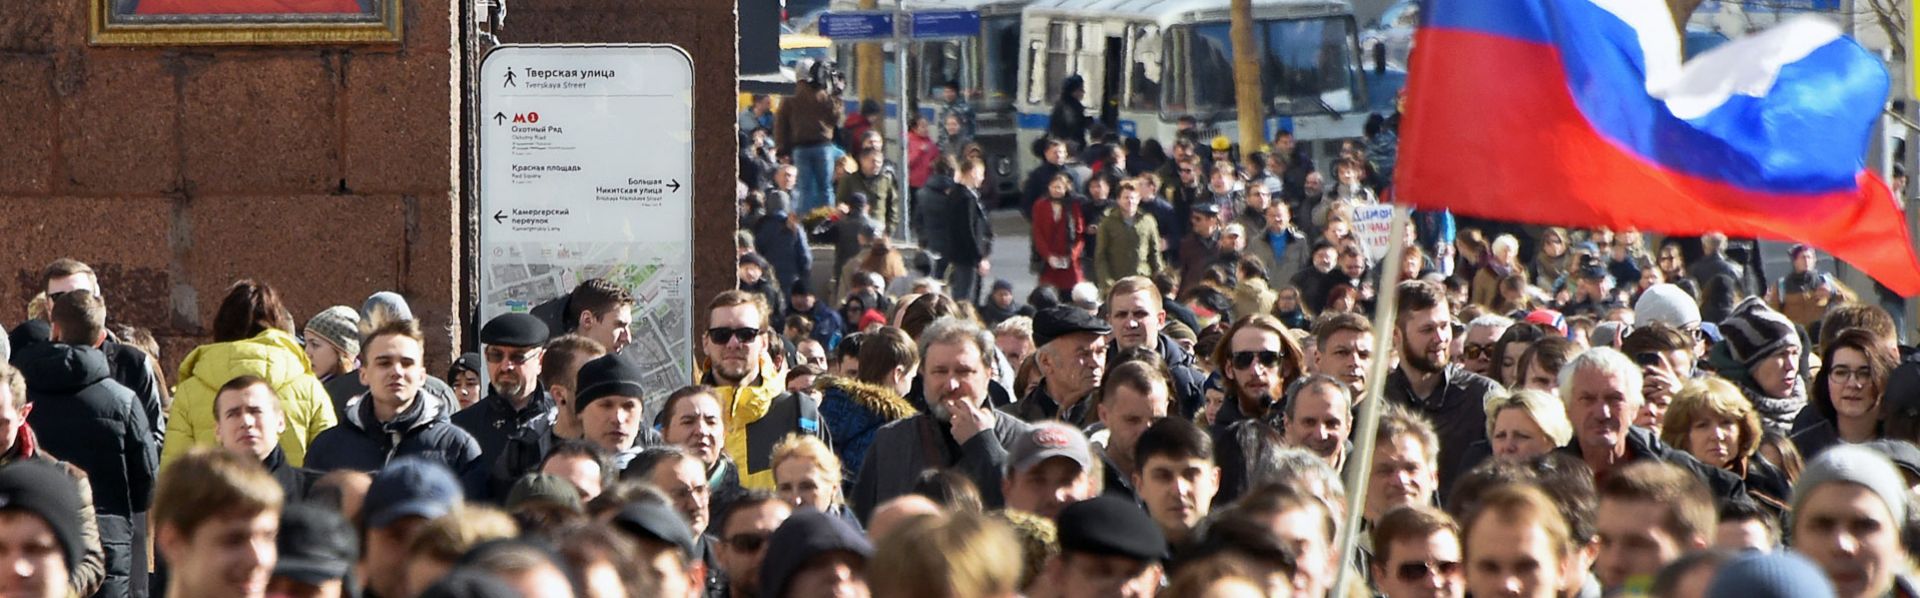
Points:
(85, 418)
(855, 410)
(364, 443)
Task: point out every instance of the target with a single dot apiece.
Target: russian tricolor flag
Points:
(1580, 113)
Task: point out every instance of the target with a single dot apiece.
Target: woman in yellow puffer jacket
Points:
(251, 334)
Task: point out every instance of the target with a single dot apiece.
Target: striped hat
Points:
(1755, 331)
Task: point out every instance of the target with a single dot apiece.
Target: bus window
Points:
(1066, 53)
(1001, 42)
(1037, 77)
(1310, 63)
(940, 62)
(1145, 70)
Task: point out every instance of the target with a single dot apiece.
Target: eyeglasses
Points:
(513, 358)
(1245, 359)
(720, 335)
(1476, 350)
(1421, 570)
(1860, 375)
(747, 542)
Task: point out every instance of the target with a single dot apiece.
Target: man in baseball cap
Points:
(405, 494)
(1049, 467)
(1108, 547)
(317, 550)
(1072, 354)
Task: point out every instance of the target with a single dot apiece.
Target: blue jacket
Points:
(784, 246)
(364, 443)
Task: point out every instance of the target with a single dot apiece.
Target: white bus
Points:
(1148, 62)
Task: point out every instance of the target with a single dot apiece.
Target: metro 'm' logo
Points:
(527, 118)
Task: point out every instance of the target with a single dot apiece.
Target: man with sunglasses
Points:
(1476, 354)
(745, 525)
(1417, 554)
(512, 345)
(754, 401)
(1429, 384)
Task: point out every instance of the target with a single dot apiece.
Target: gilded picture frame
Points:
(243, 22)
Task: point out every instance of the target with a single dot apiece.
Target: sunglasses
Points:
(1421, 570)
(513, 358)
(1245, 359)
(747, 542)
(1476, 351)
(720, 335)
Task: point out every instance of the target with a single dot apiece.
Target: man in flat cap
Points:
(512, 345)
(1072, 358)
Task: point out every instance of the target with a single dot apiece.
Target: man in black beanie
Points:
(40, 511)
(611, 406)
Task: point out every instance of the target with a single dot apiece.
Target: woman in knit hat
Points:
(1761, 355)
(333, 341)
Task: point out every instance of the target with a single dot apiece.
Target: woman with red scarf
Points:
(1059, 235)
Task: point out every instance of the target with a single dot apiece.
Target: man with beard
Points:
(1426, 383)
(1344, 350)
(1136, 311)
(1601, 390)
(1258, 360)
(1318, 418)
(1072, 358)
(512, 344)
(958, 431)
(752, 391)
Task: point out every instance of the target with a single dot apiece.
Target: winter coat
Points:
(1197, 253)
(1034, 189)
(524, 451)
(1069, 119)
(493, 420)
(922, 152)
(784, 246)
(344, 387)
(903, 449)
(968, 232)
(1644, 444)
(133, 369)
(1039, 406)
(1059, 237)
(423, 429)
(1291, 257)
(855, 411)
(272, 355)
(741, 407)
(845, 233)
(1128, 247)
(809, 117)
(931, 215)
(85, 418)
(883, 198)
(1776, 413)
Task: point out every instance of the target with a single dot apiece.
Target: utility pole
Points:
(1246, 78)
(869, 76)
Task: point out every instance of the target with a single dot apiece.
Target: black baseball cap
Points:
(316, 545)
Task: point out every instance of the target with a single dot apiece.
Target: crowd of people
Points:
(1565, 413)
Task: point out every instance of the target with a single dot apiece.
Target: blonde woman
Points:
(807, 474)
(1711, 420)
(1526, 424)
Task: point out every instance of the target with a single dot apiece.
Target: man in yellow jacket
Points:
(754, 404)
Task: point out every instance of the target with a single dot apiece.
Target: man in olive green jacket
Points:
(1130, 243)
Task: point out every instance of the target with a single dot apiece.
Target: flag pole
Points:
(1361, 465)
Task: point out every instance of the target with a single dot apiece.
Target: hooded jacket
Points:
(741, 408)
(855, 411)
(274, 356)
(782, 244)
(423, 429)
(84, 417)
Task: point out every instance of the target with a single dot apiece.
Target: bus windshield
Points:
(1306, 67)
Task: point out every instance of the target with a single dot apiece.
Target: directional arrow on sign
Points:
(500, 217)
(499, 118)
(675, 184)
